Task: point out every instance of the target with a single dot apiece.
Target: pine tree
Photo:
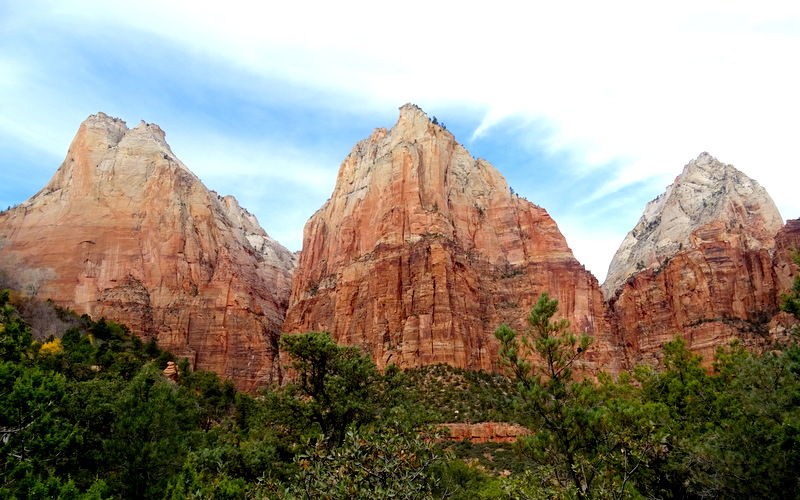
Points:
(589, 439)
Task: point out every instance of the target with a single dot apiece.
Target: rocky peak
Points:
(130, 233)
(422, 251)
(438, 176)
(699, 263)
(113, 128)
(105, 157)
(709, 200)
(412, 121)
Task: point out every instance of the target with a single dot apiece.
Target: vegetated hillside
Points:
(449, 394)
(92, 415)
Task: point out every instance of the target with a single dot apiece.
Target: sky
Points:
(589, 109)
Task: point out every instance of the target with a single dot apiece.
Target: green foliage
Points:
(732, 434)
(335, 386)
(150, 434)
(442, 393)
(35, 436)
(492, 458)
(590, 441)
(15, 336)
(371, 464)
(457, 479)
(555, 346)
(684, 386)
(215, 397)
(88, 418)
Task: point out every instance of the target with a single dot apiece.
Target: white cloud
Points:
(228, 157)
(635, 84)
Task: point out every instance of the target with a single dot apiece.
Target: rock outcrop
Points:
(699, 263)
(124, 230)
(422, 252)
(485, 432)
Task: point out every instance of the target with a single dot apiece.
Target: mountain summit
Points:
(700, 263)
(707, 194)
(124, 230)
(422, 252)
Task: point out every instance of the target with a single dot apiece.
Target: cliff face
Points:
(124, 230)
(787, 240)
(419, 255)
(698, 263)
(422, 251)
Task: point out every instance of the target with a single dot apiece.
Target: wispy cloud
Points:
(613, 97)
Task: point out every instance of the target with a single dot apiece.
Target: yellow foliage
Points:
(51, 347)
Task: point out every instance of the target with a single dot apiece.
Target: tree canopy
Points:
(89, 414)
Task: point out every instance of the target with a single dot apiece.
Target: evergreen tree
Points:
(591, 440)
(335, 385)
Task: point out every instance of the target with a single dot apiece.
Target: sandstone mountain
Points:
(422, 252)
(700, 263)
(124, 230)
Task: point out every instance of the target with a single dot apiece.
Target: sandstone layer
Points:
(422, 252)
(485, 432)
(124, 230)
(699, 263)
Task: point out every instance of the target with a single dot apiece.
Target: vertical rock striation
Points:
(126, 231)
(422, 252)
(786, 241)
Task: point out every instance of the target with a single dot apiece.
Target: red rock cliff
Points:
(698, 263)
(485, 432)
(422, 252)
(787, 240)
(124, 230)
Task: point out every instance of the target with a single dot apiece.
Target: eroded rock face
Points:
(419, 255)
(698, 263)
(124, 230)
(422, 252)
(787, 240)
(485, 432)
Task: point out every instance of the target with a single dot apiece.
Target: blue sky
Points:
(589, 109)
